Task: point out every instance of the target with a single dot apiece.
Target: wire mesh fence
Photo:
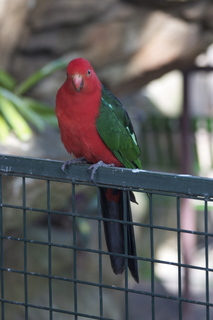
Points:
(53, 259)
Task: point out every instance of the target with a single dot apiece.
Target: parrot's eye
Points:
(89, 72)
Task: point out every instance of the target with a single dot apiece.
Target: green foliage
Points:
(18, 113)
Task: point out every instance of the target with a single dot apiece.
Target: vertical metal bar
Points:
(186, 160)
(49, 251)
(25, 246)
(206, 258)
(100, 255)
(152, 254)
(179, 258)
(125, 201)
(2, 250)
(74, 253)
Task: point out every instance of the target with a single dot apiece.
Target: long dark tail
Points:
(112, 206)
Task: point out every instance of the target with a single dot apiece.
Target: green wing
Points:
(116, 130)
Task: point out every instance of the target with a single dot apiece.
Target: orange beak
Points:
(78, 82)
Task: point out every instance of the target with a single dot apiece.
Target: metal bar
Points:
(199, 233)
(130, 290)
(100, 255)
(56, 310)
(152, 255)
(120, 177)
(74, 226)
(49, 251)
(206, 258)
(186, 154)
(126, 297)
(25, 246)
(175, 264)
(198, 68)
(2, 252)
(179, 258)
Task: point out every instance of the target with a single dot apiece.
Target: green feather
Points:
(116, 130)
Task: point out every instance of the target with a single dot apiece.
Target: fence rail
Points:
(118, 177)
(54, 262)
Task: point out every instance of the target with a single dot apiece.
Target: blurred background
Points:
(157, 57)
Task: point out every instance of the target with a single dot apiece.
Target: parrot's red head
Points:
(81, 76)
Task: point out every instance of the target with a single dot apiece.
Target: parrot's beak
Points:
(78, 82)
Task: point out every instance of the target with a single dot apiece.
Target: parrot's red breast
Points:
(77, 108)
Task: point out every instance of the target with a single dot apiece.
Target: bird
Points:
(95, 128)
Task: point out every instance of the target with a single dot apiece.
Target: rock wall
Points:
(128, 42)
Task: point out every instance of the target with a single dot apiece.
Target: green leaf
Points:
(6, 80)
(40, 75)
(4, 129)
(29, 110)
(24, 109)
(15, 120)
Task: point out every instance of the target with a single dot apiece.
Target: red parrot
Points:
(95, 127)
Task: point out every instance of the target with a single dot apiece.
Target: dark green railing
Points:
(54, 264)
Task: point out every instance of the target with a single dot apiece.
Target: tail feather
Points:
(112, 206)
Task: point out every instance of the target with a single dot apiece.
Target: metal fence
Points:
(53, 259)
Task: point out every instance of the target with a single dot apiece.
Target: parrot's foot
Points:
(94, 167)
(66, 164)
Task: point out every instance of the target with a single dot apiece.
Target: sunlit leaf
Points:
(23, 108)
(15, 120)
(4, 128)
(29, 110)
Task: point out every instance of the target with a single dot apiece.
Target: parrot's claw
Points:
(67, 163)
(94, 167)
